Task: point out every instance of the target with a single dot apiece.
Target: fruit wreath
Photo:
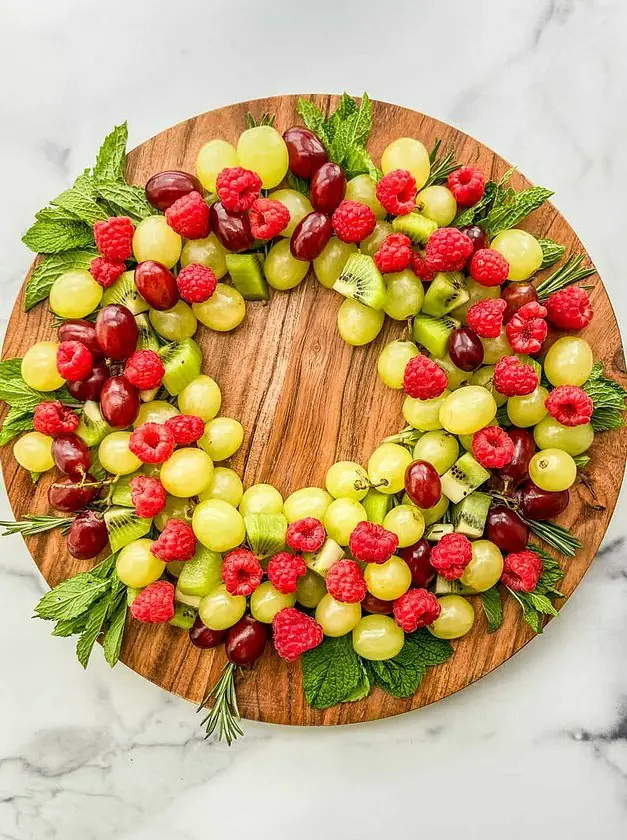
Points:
(366, 580)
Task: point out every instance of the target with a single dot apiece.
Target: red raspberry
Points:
(514, 378)
(105, 271)
(569, 309)
(396, 191)
(155, 603)
(144, 369)
(448, 249)
(488, 267)
(186, 428)
(153, 443)
(570, 405)
(451, 555)
(522, 570)
(353, 221)
(371, 543)
(394, 253)
(147, 495)
(284, 569)
(305, 534)
(175, 542)
(189, 216)
(268, 218)
(114, 238)
(74, 361)
(421, 269)
(196, 283)
(295, 633)
(345, 582)
(416, 608)
(467, 185)
(424, 379)
(241, 572)
(486, 317)
(527, 328)
(492, 447)
(238, 188)
(53, 418)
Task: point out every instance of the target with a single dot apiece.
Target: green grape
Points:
(432, 514)
(467, 410)
(371, 244)
(202, 398)
(484, 376)
(549, 434)
(222, 438)
(553, 469)
(137, 566)
(335, 617)
(454, 375)
(388, 580)
(154, 239)
(407, 522)
(485, 568)
(378, 637)
(115, 456)
(225, 309)
(405, 295)
(175, 567)
(495, 348)
(438, 448)
(266, 602)
(341, 518)
(186, 473)
(477, 292)
(155, 411)
(521, 250)
(347, 480)
(298, 205)
(424, 414)
(308, 501)
(209, 252)
(386, 467)
(174, 324)
(213, 157)
(33, 451)
(363, 189)
(528, 410)
(226, 485)
(282, 270)
(393, 360)
(437, 203)
(311, 589)
(175, 508)
(219, 609)
(456, 618)
(328, 266)
(569, 361)
(358, 324)
(39, 367)
(410, 154)
(263, 150)
(218, 525)
(261, 498)
(75, 294)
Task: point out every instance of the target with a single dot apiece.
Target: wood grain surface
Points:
(306, 399)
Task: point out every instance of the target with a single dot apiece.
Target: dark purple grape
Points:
(116, 330)
(506, 529)
(524, 447)
(328, 186)
(517, 295)
(310, 236)
(246, 640)
(156, 284)
(164, 188)
(372, 604)
(417, 557)
(477, 235)
(423, 484)
(465, 349)
(119, 402)
(232, 230)
(71, 455)
(202, 637)
(305, 150)
(83, 331)
(87, 535)
(90, 388)
(69, 494)
(541, 504)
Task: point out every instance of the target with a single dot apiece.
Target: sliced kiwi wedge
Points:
(121, 494)
(92, 428)
(446, 291)
(124, 526)
(361, 280)
(146, 336)
(469, 516)
(247, 276)
(447, 587)
(418, 227)
(433, 333)
(189, 600)
(201, 574)
(265, 533)
(377, 505)
(182, 361)
(434, 533)
(463, 478)
(184, 616)
(322, 560)
(124, 291)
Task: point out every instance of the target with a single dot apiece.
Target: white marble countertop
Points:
(540, 746)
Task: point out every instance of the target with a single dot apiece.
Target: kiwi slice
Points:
(265, 533)
(446, 291)
(416, 226)
(182, 361)
(184, 616)
(147, 337)
(201, 574)
(124, 291)
(122, 491)
(93, 428)
(322, 561)
(377, 505)
(464, 476)
(433, 333)
(247, 276)
(447, 587)
(435, 532)
(362, 281)
(124, 526)
(189, 600)
(469, 516)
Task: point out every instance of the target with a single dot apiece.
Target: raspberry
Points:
(186, 428)
(105, 271)
(74, 361)
(268, 218)
(305, 534)
(416, 608)
(394, 253)
(196, 283)
(147, 495)
(238, 188)
(371, 543)
(144, 369)
(486, 317)
(295, 633)
(353, 221)
(514, 378)
(153, 443)
(451, 555)
(114, 238)
(570, 405)
(424, 379)
(569, 308)
(53, 418)
(396, 191)
(155, 603)
(467, 185)
(527, 328)
(421, 269)
(345, 582)
(175, 542)
(241, 572)
(492, 447)
(521, 571)
(189, 216)
(488, 267)
(284, 569)
(448, 249)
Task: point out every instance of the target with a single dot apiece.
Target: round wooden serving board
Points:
(307, 399)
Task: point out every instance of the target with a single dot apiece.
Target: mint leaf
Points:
(608, 398)
(313, 118)
(15, 422)
(582, 461)
(93, 628)
(359, 162)
(127, 199)
(432, 651)
(70, 626)
(362, 689)
(71, 597)
(112, 643)
(81, 201)
(515, 210)
(551, 252)
(57, 236)
(492, 608)
(111, 161)
(331, 672)
(299, 184)
(46, 272)
(402, 675)
(15, 392)
(55, 214)
(552, 572)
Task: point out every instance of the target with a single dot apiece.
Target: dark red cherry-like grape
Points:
(164, 188)
(310, 236)
(423, 484)
(232, 230)
(327, 188)
(477, 235)
(541, 504)
(517, 295)
(245, 641)
(90, 388)
(372, 604)
(119, 402)
(506, 529)
(417, 557)
(305, 150)
(83, 331)
(87, 535)
(156, 284)
(202, 637)
(524, 447)
(69, 494)
(465, 349)
(71, 455)
(116, 330)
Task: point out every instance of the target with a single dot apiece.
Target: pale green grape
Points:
(393, 361)
(174, 324)
(33, 451)
(155, 411)
(213, 157)
(202, 398)
(386, 467)
(225, 309)
(485, 567)
(528, 410)
(455, 620)
(186, 473)
(342, 517)
(467, 410)
(298, 205)
(335, 617)
(424, 414)
(484, 376)
(222, 438)
(348, 480)
(154, 239)
(266, 602)
(282, 270)
(137, 566)
(454, 375)
(39, 367)
(407, 153)
(521, 250)
(358, 324)
(370, 245)
(388, 580)
(406, 522)
(549, 434)
(115, 456)
(263, 150)
(218, 525)
(405, 295)
(75, 294)
(219, 609)
(308, 501)
(175, 508)
(432, 514)
(328, 266)
(208, 251)
(438, 448)
(261, 498)
(437, 203)
(378, 637)
(311, 589)
(495, 348)
(226, 485)
(553, 469)
(477, 292)
(569, 361)
(363, 189)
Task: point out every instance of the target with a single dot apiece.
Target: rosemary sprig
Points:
(31, 525)
(224, 715)
(567, 274)
(556, 536)
(265, 119)
(441, 167)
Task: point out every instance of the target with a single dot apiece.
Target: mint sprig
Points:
(608, 398)
(512, 212)
(111, 159)
(54, 237)
(402, 675)
(492, 608)
(537, 604)
(552, 252)
(15, 422)
(125, 199)
(331, 672)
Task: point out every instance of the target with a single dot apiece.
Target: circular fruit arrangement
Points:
(367, 580)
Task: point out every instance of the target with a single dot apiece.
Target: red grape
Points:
(164, 188)
(372, 604)
(90, 388)
(310, 236)
(305, 150)
(517, 295)
(245, 641)
(541, 504)
(119, 402)
(202, 637)
(524, 447)
(87, 535)
(71, 455)
(69, 494)
(156, 284)
(506, 529)
(477, 235)
(465, 349)
(328, 186)
(117, 331)
(423, 484)
(232, 230)
(83, 331)
(417, 557)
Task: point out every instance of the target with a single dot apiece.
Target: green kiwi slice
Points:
(124, 526)
(463, 478)
(265, 533)
(247, 276)
(182, 361)
(201, 574)
(92, 428)
(433, 333)
(469, 516)
(124, 291)
(446, 291)
(418, 227)
(362, 281)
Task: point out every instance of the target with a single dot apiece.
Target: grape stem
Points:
(224, 715)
